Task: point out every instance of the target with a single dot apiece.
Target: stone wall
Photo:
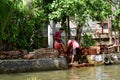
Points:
(24, 54)
(32, 65)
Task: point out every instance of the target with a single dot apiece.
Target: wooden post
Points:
(110, 31)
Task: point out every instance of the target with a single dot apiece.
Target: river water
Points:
(110, 72)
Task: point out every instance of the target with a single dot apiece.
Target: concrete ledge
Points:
(20, 66)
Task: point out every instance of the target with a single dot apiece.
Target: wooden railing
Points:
(110, 49)
(114, 48)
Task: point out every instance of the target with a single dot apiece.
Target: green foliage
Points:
(117, 12)
(19, 21)
(116, 15)
(6, 10)
(88, 41)
(59, 7)
(95, 9)
(81, 10)
(99, 10)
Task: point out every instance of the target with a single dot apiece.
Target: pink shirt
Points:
(74, 43)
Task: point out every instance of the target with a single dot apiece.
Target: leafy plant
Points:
(19, 19)
(88, 41)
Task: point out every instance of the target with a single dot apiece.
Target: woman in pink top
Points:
(75, 46)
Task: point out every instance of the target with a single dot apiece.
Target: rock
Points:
(45, 53)
(12, 54)
(29, 56)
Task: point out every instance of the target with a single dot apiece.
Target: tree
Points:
(82, 10)
(116, 16)
(19, 21)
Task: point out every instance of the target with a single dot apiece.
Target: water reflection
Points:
(100, 73)
(83, 73)
(73, 75)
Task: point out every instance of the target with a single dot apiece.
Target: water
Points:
(110, 72)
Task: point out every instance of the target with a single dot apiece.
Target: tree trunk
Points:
(110, 30)
(102, 24)
(68, 28)
(78, 33)
(65, 24)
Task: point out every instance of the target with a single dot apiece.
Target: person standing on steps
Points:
(57, 39)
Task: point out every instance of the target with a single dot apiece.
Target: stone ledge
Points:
(32, 65)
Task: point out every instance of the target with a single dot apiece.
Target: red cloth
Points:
(57, 45)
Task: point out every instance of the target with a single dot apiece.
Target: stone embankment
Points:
(38, 60)
(32, 65)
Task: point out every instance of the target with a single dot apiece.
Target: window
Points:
(105, 28)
